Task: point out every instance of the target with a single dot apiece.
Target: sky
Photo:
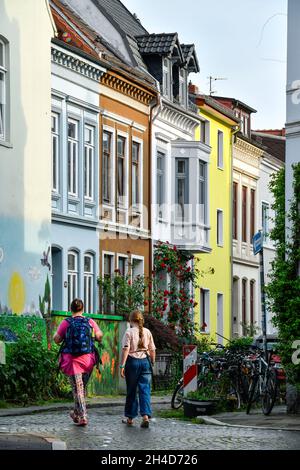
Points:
(243, 41)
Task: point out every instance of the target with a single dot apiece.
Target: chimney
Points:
(193, 89)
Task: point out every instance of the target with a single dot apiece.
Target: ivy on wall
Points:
(283, 291)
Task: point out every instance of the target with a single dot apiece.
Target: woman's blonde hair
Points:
(137, 317)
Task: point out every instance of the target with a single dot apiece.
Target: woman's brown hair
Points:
(77, 306)
(137, 317)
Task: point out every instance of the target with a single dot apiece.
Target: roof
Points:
(274, 145)
(235, 103)
(127, 21)
(162, 44)
(190, 56)
(208, 100)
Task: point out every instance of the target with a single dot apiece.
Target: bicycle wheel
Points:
(269, 392)
(253, 392)
(177, 397)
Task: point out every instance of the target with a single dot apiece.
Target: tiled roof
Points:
(121, 15)
(274, 145)
(162, 44)
(189, 52)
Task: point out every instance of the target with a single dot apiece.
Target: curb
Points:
(56, 444)
(31, 441)
(216, 422)
(66, 406)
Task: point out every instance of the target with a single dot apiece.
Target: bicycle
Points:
(263, 383)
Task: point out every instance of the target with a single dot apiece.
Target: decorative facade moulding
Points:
(178, 119)
(76, 63)
(123, 86)
(248, 148)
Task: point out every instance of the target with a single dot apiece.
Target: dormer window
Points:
(167, 78)
(182, 87)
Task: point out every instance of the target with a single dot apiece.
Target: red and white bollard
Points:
(190, 369)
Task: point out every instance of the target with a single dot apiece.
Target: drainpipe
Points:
(235, 130)
(155, 107)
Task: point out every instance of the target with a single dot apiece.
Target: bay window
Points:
(182, 186)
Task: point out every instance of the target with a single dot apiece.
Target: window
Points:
(106, 167)
(121, 170)
(182, 189)
(252, 214)
(220, 227)
(72, 157)
(244, 305)
(265, 208)
(135, 186)
(204, 310)
(182, 87)
(72, 276)
(235, 212)
(244, 214)
(246, 125)
(220, 150)
(137, 267)
(202, 191)
(88, 281)
(160, 182)
(123, 265)
(3, 89)
(220, 316)
(55, 151)
(89, 157)
(108, 269)
(167, 78)
(252, 286)
(204, 132)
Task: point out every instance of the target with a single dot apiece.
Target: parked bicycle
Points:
(263, 383)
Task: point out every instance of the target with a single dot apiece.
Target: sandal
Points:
(145, 423)
(127, 421)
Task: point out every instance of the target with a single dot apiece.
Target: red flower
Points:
(169, 269)
(129, 282)
(163, 265)
(145, 302)
(175, 248)
(165, 307)
(166, 292)
(191, 301)
(117, 271)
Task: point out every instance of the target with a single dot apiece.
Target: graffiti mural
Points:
(13, 327)
(104, 381)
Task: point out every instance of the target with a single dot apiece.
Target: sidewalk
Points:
(99, 402)
(29, 442)
(278, 420)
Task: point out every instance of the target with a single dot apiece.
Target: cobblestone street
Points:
(105, 432)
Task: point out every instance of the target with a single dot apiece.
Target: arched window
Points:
(88, 283)
(4, 57)
(72, 276)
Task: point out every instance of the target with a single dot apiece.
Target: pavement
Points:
(278, 420)
(38, 428)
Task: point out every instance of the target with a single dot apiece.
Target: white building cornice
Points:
(178, 118)
(76, 63)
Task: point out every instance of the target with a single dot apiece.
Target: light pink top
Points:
(71, 365)
(131, 341)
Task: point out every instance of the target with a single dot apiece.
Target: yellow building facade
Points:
(214, 291)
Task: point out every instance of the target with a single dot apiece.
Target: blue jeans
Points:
(138, 377)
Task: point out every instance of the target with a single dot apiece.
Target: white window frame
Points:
(162, 174)
(125, 135)
(267, 232)
(202, 179)
(220, 227)
(74, 142)
(137, 258)
(182, 87)
(112, 255)
(167, 78)
(125, 257)
(88, 283)
(55, 142)
(4, 100)
(207, 310)
(139, 207)
(73, 277)
(220, 155)
(89, 164)
(111, 176)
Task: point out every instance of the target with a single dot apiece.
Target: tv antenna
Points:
(214, 79)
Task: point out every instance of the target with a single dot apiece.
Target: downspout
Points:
(154, 106)
(233, 140)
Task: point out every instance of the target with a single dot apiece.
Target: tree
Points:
(283, 292)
